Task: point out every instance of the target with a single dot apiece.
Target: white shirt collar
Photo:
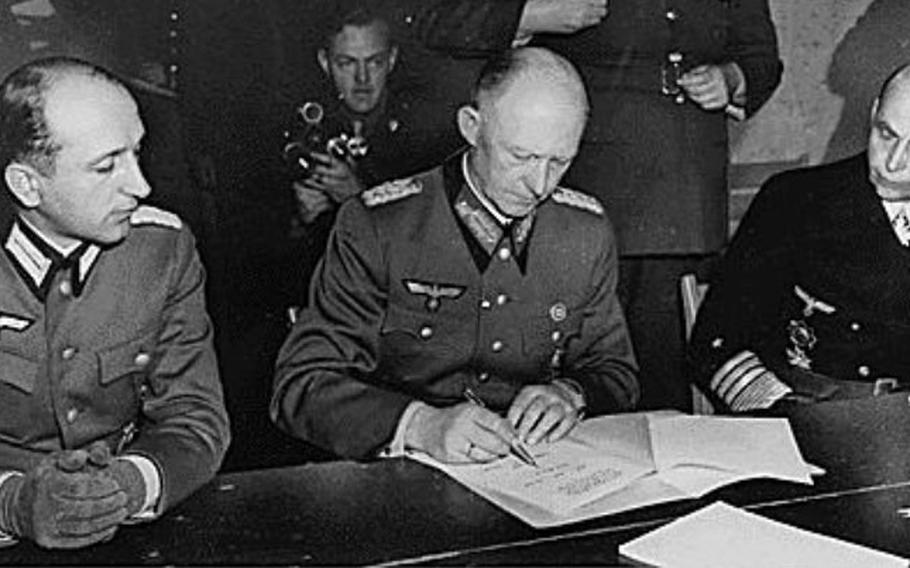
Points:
(481, 196)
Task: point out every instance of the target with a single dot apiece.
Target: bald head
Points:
(897, 84)
(24, 133)
(889, 138)
(524, 127)
(530, 70)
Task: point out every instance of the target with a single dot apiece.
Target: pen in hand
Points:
(516, 448)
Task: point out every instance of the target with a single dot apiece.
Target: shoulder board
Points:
(391, 191)
(578, 200)
(148, 215)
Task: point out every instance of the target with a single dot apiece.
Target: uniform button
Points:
(556, 335)
(65, 288)
(409, 20)
(505, 254)
(482, 377)
(144, 390)
(502, 299)
(142, 359)
(672, 15)
(855, 326)
(426, 332)
(717, 342)
(496, 346)
(485, 304)
(863, 370)
(68, 353)
(71, 415)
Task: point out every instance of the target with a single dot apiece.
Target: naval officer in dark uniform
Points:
(111, 408)
(481, 279)
(812, 300)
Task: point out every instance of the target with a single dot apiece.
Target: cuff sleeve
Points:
(743, 383)
(7, 539)
(152, 479)
(736, 109)
(396, 447)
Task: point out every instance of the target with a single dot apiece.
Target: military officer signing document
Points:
(474, 305)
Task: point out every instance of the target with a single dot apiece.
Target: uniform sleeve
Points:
(327, 390)
(736, 332)
(185, 428)
(752, 44)
(467, 28)
(603, 361)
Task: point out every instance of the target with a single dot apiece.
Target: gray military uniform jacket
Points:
(412, 302)
(114, 346)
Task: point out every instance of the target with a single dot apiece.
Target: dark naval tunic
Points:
(813, 296)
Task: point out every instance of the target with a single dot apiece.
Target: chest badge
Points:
(558, 312)
(15, 323)
(435, 293)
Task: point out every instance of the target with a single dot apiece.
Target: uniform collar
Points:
(488, 227)
(37, 260)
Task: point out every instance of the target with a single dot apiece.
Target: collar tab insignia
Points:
(15, 323)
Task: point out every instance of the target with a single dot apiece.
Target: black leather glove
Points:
(60, 505)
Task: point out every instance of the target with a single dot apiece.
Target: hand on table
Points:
(462, 433)
(63, 504)
(544, 412)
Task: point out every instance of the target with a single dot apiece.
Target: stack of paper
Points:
(615, 463)
(726, 537)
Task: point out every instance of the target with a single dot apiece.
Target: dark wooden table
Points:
(399, 512)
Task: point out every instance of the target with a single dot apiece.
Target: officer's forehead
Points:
(87, 111)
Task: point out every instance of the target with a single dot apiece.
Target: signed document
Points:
(569, 474)
(615, 463)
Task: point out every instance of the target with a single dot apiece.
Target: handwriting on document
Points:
(568, 476)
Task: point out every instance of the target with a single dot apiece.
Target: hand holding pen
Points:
(516, 448)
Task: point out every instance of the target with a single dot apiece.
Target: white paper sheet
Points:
(723, 536)
(617, 453)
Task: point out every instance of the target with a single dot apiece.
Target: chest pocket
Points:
(18, 371)
(131, 359)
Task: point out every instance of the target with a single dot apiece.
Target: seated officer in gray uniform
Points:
(111, 408)
(481, 280)
(812, 301)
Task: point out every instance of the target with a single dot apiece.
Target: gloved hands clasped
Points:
(72, 498)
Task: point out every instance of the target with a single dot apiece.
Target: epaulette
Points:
(578, 200)
(391, 191)
(148, 215)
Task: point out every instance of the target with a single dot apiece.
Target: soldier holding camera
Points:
(366, 135)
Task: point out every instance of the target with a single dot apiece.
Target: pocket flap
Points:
(18, 371)
(131, 356)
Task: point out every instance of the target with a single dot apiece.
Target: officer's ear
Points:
(469, 123)
(323, 58)
(25, 183)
